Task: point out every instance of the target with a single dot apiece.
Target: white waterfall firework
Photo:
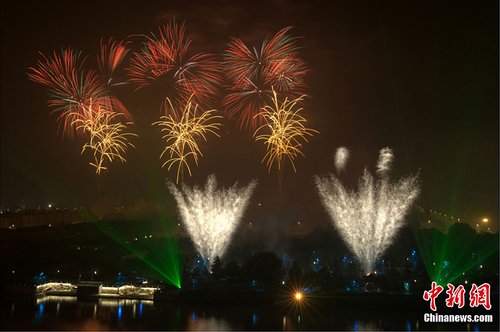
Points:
(369, 218)
(211, 215)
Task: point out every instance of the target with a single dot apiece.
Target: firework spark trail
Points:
(369, 218)
(286, 131)
(111, 55)
(182, 133)
(211, 215)
(254, 73)
(166, 56)
(107, 140)
(341, 158)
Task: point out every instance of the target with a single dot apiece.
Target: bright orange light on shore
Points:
(485, 220)
(298, 296)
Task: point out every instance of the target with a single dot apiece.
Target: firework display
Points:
(166, 56)
(182, 134)
(283, 132)
(71, 87)
(368, 219)
(341, 158)
(189, 166)
(254, 73)
(211, 215)
(110, 58)
(107, 138)
(191, 82)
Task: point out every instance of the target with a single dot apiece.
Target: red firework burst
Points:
(166, 56)
(254, 73)
(71, 88)
(200, 77)
(110, 57)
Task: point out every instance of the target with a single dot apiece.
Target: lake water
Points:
(70, 313)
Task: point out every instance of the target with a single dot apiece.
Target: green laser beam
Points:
(162, 256)
(456, 255)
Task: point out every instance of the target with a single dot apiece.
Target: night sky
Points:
(420, 77)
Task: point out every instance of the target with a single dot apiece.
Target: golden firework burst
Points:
(182, 134)
(108, 138)
(283, 131)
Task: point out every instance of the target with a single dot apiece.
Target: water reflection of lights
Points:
(119, 313)
(120, 304)
(114, 303)
(39, 314)
(55, 298)
(208, 324)
(104, 303)
(366, 326)
(134, 309)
